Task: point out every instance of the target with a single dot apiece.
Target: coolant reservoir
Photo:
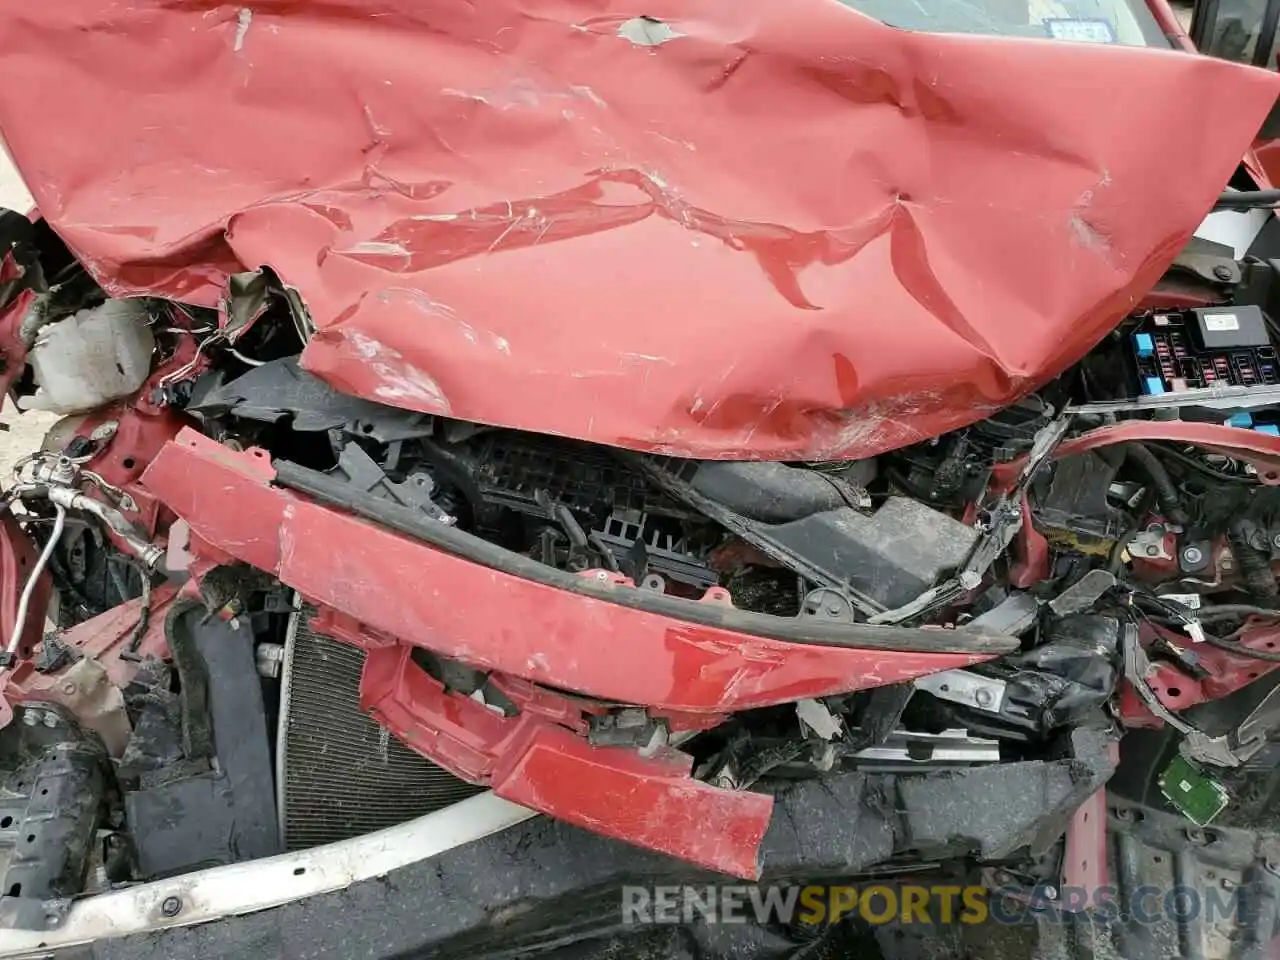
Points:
(90, 358)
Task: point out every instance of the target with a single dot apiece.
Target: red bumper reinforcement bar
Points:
(594, 637)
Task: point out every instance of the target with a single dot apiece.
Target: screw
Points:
(50, 719)
(30, 718)
(982, 697)
(1222, 272)
(171, 906)
(1192, 555)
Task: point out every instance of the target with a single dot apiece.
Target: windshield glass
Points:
(1127, 22)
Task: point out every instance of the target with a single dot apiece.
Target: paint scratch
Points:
(243, 20)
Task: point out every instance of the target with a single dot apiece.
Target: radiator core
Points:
(339, 774)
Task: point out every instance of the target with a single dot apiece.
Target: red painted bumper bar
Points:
(598, 639)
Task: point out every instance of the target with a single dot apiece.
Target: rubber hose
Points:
(766, 491)
(1165, 491)
(1255, 566)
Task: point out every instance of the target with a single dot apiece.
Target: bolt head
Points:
(29, 718)
(171, 906)
(1192, 554)
(983, 697)
(1222, 272)
(50, 719)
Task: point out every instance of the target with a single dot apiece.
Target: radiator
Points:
(339, 774)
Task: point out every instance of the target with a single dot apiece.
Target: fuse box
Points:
(1222, 346)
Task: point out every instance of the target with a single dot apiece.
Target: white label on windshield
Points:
(1221, 321)
(1081, 31)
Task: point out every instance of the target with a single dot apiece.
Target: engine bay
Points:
(1098, 557)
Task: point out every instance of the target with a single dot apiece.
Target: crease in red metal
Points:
(497, 621)
(788, 232)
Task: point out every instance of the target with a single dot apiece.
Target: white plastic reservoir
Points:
(91, 358)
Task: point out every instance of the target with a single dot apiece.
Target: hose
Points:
(1116, 560)
(144, 611)
(1255, 568)
(1165, 491)
(149, 553)
(24, 602)
(1230, 611)
(1270, 656)
(1204, 468)
(1227, 611)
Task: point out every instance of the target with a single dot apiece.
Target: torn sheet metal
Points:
(747, 230)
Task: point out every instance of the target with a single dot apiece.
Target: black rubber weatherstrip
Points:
(334, 492)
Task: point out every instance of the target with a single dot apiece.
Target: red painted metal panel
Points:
(494, 620)
(787, 231)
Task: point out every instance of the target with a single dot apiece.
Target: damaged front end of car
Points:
(809, 513)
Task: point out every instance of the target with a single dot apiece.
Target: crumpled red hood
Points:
(782, 230)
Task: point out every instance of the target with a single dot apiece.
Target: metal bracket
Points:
(965, 687)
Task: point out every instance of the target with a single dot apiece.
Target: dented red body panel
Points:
(389, 593)
(501, 622)
(788, 231)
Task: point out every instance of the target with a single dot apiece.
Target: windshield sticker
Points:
(1081, 31)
